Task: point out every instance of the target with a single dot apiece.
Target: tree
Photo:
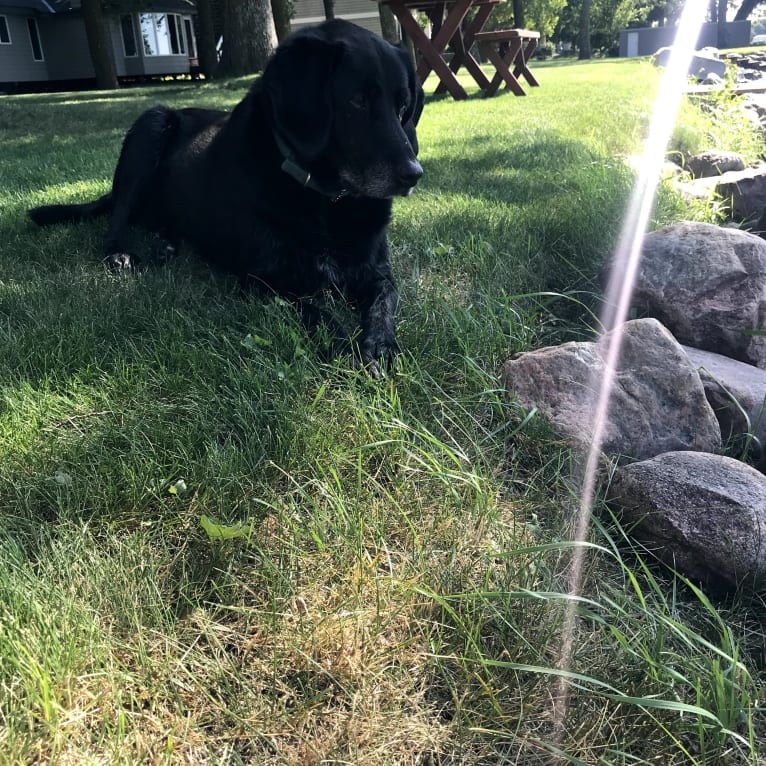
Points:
(518, 14)
(722, 41)
(540, 15)
(606, 18)
(388, 26)
(249, 36)
(283, 11)
(329, 8)
(206, 52)
(659, 13)
(584, 38)
(609, 17)
(744, 10)
(99, 44)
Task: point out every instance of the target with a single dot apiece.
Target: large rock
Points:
(742, 192)
(714, 162)
(707, 285)
(702, 63)
(704, 515)
(657, 405)
(737, 393)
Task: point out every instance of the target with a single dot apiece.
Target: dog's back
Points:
(147, 143)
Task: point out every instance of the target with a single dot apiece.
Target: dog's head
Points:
(344, 106)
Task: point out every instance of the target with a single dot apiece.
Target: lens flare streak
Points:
(618, 294)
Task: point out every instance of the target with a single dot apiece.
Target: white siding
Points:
(66, 54)
(16, 62)
(361, 12)
(66, 48)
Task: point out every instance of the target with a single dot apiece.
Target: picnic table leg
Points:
(521, 68)
(502, 61)
(430, 56)
(437, 44)
(461, 46)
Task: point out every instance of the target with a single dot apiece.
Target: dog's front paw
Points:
(163, 250)
(377, 353)
(120, 262)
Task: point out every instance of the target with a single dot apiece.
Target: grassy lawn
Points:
(380, 575)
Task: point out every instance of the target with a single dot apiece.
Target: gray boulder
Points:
(657, 405)
(742, 192)
(736, 391)
(704, 515)
(707, 285)
(701, 64)
(714, 162)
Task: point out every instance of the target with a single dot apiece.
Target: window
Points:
(162, 34)
(173, 29)
(34, 38)
(5, 34)
(128, 35)
(189, 29)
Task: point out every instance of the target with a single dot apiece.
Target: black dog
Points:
(292, 190)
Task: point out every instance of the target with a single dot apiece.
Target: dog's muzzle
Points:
(408, 176)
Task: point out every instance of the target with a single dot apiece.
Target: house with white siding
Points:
(361, 12)
(43, 45)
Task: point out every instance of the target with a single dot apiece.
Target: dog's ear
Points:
(296, 83)
(415, 108)
(417, 103)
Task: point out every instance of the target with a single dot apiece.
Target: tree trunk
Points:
(388, 26)
(283, 11)
(518, 14)
(99, 43)
(744, 10)
(249, 37)
(722, 40)
(584, 41)
(208, 58)
(329, 8)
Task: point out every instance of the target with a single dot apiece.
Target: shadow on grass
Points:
(534, 168)
(542, 213)
(85, 114)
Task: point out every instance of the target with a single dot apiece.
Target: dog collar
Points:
(301, 175)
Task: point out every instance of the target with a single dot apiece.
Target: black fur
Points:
(336, 102)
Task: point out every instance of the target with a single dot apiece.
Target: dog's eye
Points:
(402, 112)
(359, 101)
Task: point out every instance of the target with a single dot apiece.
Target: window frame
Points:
(32, 24)
(131, 18)
(174, 20)
(191, 40)
(9, 41)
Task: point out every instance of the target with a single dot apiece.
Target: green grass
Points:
(392, 589)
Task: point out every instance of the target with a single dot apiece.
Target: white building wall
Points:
(361, 12)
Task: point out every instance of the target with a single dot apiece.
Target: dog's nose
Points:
(409, 174)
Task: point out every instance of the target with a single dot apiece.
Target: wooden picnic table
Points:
(507, 48)
(449, 32)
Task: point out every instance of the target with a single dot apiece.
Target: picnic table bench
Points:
(509, 50)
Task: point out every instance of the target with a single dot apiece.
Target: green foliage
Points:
(607, 19)
(541, 15)
(714, 120)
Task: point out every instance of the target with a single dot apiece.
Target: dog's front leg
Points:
(377, 306)
(314, 317)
